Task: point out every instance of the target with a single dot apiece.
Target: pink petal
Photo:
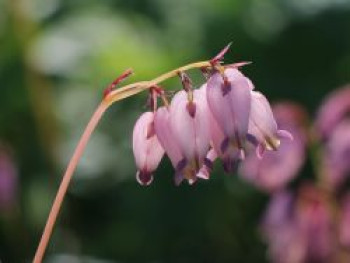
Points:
(262, 123)
(191, 133)
(230, 108)
(166, 137)
(204, 172)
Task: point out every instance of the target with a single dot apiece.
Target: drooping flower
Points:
(189, 123)
(229, 99)
(148, 152)
(273, 170)
(263, 126)
(315, 220)
(299, 228)
(286, 243)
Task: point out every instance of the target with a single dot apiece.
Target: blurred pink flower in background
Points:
(344, 224)
(275, 169)
(298, 227)
(334, 110)
(336, 157)
(8, 181)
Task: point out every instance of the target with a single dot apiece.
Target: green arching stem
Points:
(113, 96)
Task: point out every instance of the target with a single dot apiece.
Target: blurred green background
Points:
(57, 56)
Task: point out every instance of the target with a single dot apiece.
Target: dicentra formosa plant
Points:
(216, 120)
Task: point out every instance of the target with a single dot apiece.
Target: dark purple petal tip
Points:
(144, 178)
(208, 163)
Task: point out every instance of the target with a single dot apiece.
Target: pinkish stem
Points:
(66, 180)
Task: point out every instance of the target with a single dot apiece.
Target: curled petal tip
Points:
(202, 175)
(285, 134)
(260, 149)
(144, 178)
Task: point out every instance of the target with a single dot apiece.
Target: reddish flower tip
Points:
(221, 55)
(144, 178)
(119, 79)
(191, 108)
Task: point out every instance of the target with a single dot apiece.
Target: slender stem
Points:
(112, 97)
(138, 87)
(66, 180)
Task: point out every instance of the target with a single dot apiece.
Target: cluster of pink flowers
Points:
(311, 222)
(199, 125)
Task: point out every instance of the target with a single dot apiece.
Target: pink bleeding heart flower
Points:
(229, 99)
(148, 152)
(263, 126)
(189, 123)
(272, 171)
